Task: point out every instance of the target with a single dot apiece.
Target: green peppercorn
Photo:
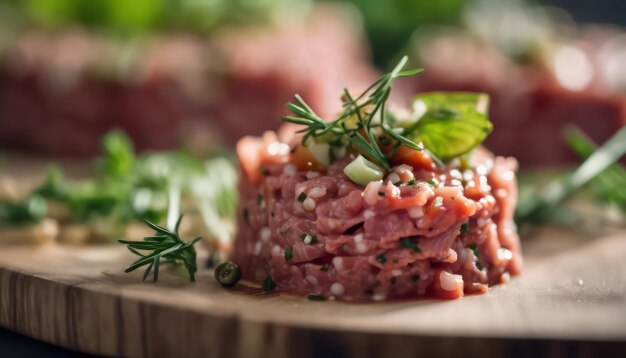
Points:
(228, 273)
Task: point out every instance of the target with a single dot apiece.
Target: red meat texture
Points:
(319, 233)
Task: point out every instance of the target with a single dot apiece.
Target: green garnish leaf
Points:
(288, 254)
(313, 297)
(302, 197)
(454, 123)
(382, 258)
(166, 247)
(268, 284)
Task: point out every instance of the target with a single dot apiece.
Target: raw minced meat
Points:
(423, 230)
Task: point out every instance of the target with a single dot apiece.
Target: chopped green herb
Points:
(433, 182)
(246, 215)
(345, 247)
(312, 297)
(479, 266)
(288, 254)
(410, 243)
(411, 182)
(268, 284)
(474, 248)
(464, 228)
(415, 278)
(324, 268)
(302, 197)
(382, 258)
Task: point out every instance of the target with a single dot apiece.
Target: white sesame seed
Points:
(309, 204)
(358, 238)
(480, 222)
(257, 248)
(290, 169)
(378, 297)
(416, 212)
(361, 248)
(317, 192)
(299, 189)
(276, 250)
(396, 273)
(338, 263)
(278, 148)
(368, 214)
(308, 239)
(312, 175)
(504, 254)
(450, 282)
(370, 194)
(265, 233)
(312, 280)
(337, 289)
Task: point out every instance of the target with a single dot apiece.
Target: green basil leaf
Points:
(454, 123)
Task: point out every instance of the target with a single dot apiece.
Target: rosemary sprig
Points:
(166, 247)
(365, 108)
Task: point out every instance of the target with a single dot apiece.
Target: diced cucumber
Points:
(362, 171)
(320, 151)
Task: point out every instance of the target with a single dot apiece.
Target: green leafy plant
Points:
(600, 166)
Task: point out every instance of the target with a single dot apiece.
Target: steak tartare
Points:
(353, 211)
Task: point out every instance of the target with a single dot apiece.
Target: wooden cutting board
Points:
(572, 292)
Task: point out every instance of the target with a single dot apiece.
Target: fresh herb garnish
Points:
(415, 278)
(450, 124)
(454, 123)
(288, 254)
(479, 266)
(474, 248)
(313, 297)
(268, 284)
(410, 243)
(411, 182)
(382, 258)
(464, 228)
(302, 197)
(167, 247)
(356, 125)
(324, 268)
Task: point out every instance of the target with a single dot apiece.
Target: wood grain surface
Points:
(571, 298)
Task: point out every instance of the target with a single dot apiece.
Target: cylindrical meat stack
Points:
(61, 91)
(423, 230)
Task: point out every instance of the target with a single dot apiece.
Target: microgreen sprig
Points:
(166, 247)
(368, 105)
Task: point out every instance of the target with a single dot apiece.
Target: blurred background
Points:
(200, 73)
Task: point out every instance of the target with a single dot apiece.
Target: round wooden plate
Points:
(573, 291)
